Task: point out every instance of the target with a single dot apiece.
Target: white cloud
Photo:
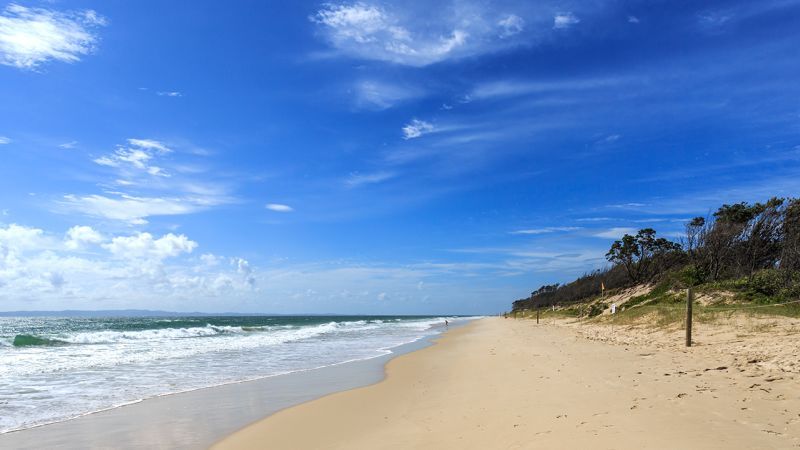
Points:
(359, 21)
(615, 233)
(78, 236)
(38, 271)
(32, 36)
(245, 271)
(20, 237)
(143, 245)
(147, 189)
(416, 128)
(595, 219)
(169, 94)
(713, 19)
(633, 19)
(278, 207)
(137, 155)
(564, 20)
(380, 95)
(629, 205)
(545, 230)
(68, 145)
(357, 179)
(506, 88)
(210, 259)
(133, 210)
(4, 140)
(396, 34)
(511, 25)
(149, 144)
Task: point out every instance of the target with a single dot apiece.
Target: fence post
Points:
(689, 300)
(537, 315)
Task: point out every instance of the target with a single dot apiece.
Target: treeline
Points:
(756, 244)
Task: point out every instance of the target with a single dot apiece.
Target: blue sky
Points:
(373, 157)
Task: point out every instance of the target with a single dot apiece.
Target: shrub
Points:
(768, 282)
(596, 309)
(690, 275)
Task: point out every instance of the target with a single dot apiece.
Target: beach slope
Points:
(508, 384)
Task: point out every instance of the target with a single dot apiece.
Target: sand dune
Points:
(510, 384)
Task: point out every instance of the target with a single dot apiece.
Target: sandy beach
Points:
(509, 384)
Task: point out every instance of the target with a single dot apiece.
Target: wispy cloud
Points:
(393, 34)
(565, 20)
(713, 20)
(150, 144)
(781, 182)
(511, 25)
(545, 230)
(416, 128)
(633, 19)
(615, 233)
(279, 207)
(526, 260)
(380, 95)
(359, 179)
(131, 209)
(511, 88)
(68, 145)
(169, 94)
(137, 155)
(4, 140)
(629, 205)
(595, 219)
(32, 36)
(143, 184)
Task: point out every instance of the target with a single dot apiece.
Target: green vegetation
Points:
(749, 253)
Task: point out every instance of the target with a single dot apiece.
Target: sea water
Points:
(53, 369)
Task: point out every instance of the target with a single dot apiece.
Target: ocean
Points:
(54, 369)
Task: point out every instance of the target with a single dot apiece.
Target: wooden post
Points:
(689, 300)
(537, 315)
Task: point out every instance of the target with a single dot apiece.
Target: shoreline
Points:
(513, 384)
(197, 427)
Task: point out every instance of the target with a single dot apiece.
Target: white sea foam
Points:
(94, 368)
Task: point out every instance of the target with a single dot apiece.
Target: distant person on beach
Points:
(446, 323)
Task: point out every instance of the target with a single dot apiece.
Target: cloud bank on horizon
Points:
(373, 157)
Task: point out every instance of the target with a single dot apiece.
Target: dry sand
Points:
(507, 384)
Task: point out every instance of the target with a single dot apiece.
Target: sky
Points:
(410, 157)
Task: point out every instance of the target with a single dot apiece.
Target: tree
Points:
(694, 232)
(790, 254)
(626, 252)
(642, 253)
(762, 238)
